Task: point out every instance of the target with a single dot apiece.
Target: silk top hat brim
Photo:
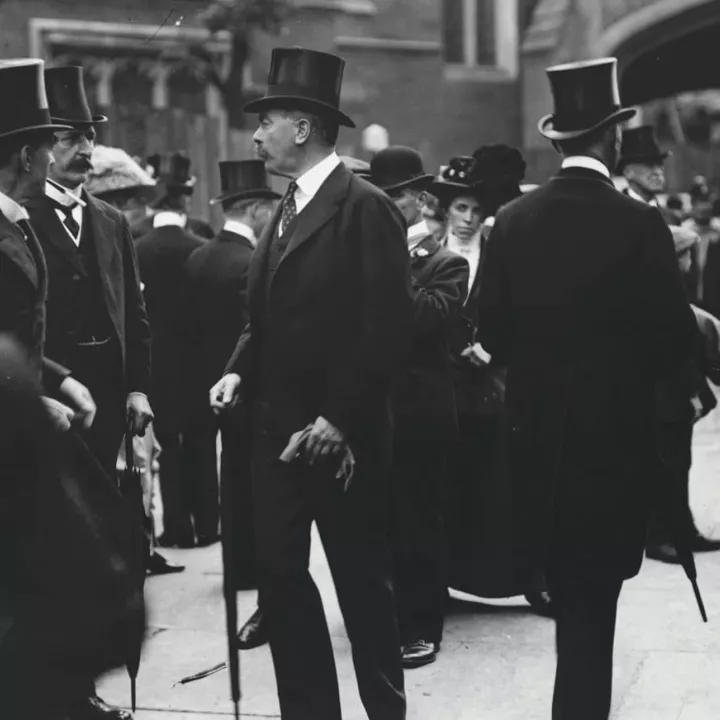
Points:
(291, 102)
(447, 191)
(547, 127)
(644, 159)
(260, 193)
(67, 98)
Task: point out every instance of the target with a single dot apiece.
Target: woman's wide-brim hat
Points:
(304, 80)
(66, 96)
(456, 180)
(22, 84)
(114, 171)
(398, 167)
(586, 97)
(639, 145)
(244, 180)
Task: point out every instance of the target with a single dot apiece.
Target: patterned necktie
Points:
(289, 209)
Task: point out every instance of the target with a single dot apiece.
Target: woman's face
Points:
(464, 217)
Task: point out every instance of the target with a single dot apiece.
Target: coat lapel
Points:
(46, 222)
(103, 231)
(14, 246)
(321, 208)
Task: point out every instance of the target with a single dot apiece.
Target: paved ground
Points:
(497, 662)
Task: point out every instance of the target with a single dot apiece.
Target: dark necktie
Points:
(25, 228)
(68, 220)
(289, 209)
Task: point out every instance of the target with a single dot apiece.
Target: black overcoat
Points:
(217, 275)
(23, 291)
(341, 312)
(424, 397)
(582, 299)
(119, 275)
(162, 257)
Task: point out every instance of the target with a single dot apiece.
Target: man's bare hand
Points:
(324, 441)
(224, 393)
(61, 415)
(79, 399)
(139, 412)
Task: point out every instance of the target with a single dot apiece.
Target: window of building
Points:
(481, 35)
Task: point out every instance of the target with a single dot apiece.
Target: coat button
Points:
(76, 277)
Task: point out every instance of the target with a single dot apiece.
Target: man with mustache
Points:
(96, 320)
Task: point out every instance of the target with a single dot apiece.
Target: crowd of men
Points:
(461, 383)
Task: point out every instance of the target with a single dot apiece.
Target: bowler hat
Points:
(22, 84)
(455, 180)
(173, 171)
(303, 79)
(398, 167)
(640, 146)
(66, 96)
(243, 180)
(586, 98)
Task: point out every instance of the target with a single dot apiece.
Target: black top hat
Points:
(586, 97)
(640, 146)
(398, 167)
(244, 180)
(22, 84)
(66, 96)
(455, 180)
(173, 171)
(304, 79)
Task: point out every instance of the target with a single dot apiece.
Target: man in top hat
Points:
(582, 299)
(217, 314)
(176, 186)
(96, 320)
(642, 163)
(423, 404)
(330, 309)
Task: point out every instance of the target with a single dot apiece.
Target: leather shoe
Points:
(419, 653)
(94, 708)
(254, 632)
(540, 601)
(702, 544)
(664, 552)
(159, 565)
(207, 540)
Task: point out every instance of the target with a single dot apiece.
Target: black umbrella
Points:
(132, 491)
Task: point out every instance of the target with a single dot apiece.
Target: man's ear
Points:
(304, 130)
(422, 199)
(26, 157)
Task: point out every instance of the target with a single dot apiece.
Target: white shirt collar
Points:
(417, 233)
(637, 196)
(310, 182)
(168, 217)
(58, 196)
(12, 210)
(240, 228)
(588, 163)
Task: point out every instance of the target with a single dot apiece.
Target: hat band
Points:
(577, 120)
(302, 92)
(30, 119)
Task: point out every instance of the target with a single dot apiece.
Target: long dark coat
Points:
(424, 397)
(119, 274)
(342, 314)
(23, 291)
(162, 255)
(581, 297)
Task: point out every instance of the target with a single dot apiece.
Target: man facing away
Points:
(425, 414)
(582, 300)
(330, 313)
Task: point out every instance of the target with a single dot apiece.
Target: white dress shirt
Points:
(417, 233)
(637, 196)
(77, 212)
(12, 210)
(309, 183)
(168, 217)
(240, 228)
(469, 250)
(587, 163)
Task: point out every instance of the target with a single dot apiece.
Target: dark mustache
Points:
(81, 164)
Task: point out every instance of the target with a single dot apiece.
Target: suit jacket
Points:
(162, 256)
(334, 328)
(194, 225)
(581, 298)
(119, 275)
(424, 398)
(217, 312)
(23, 291)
